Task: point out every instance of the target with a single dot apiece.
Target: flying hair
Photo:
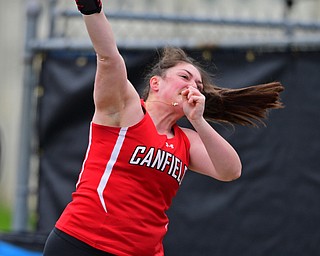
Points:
(248, 106)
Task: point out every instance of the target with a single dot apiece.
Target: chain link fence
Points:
(221, 23)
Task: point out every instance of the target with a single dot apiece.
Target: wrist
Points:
(88, 7)
(198, 121)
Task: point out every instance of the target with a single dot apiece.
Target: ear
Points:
(154, 83)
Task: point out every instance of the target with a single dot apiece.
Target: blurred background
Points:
(30, 29)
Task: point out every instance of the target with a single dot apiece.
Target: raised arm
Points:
(116, 101)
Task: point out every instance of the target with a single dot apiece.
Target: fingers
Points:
(194, 103)
(192, 95)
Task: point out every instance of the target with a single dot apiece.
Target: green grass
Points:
(5, 218)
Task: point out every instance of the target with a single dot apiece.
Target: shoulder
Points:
(191, 134)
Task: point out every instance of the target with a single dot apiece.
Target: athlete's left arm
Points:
(211, 154)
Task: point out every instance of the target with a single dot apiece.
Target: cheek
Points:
(173, 87)
(178, 85)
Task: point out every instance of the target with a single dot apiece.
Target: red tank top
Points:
(127, 182)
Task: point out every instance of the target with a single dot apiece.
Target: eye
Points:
(184, 77)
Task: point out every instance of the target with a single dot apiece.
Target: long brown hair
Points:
(244, 106)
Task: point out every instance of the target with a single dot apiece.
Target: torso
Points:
(128, 180)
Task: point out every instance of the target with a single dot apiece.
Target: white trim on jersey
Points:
(109, 167)
(86, 157)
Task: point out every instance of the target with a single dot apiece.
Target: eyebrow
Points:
(189, 73)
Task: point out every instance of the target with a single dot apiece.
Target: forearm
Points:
(99, 29)
(101, 35)
(226, 162)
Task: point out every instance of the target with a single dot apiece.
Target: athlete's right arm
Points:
(116, 101)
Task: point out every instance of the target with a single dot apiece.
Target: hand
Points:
(88, 7)
(193, 103)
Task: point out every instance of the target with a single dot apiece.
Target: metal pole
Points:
(52, 17)
(21, 212)
(286, 17)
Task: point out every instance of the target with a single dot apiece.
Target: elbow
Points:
(232, 172)
(109, 58)
(236, 173)
(110, 62)
(235, 169)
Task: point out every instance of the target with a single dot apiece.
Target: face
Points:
(177, 79)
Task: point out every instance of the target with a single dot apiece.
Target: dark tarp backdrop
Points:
(273, 209)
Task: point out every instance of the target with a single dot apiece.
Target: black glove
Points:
(88, 7)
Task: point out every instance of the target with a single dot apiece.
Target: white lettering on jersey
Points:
(160, 160)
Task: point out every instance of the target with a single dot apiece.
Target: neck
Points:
(173, 104)
(163, 116)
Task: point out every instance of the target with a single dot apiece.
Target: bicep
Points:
(200, 161)
(111, 88)
(117, 103)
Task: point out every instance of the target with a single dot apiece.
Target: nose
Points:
(194, 85)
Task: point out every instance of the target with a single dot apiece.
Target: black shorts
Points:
(62, 244)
